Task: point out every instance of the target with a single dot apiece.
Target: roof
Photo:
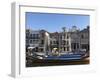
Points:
(85, 30)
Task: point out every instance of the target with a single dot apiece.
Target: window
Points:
(67, 42)
(67, 37)
(82, 36)
(64, 48)
(33, 36)
(57, 42)
(37, 35)
(42, 41)
(30, 35)
(60, 37)
(64, 42)
(27, 41)
(36, 41)
(84, 46)
(41, 50)
(54, 42)
(50, 42)
(27, 35)
(30, 41)
(77, 45)
(33, 41)
(74, 45)
(67, 48)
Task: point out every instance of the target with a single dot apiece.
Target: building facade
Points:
(84, 39)
(64, 41)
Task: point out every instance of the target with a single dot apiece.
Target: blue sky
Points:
(55, 22)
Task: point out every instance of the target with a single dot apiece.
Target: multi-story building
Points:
(32, 38)
(80, 39)
(65, 41)
(54, 40)
(36, 39)
(84, 39)
(75, 38)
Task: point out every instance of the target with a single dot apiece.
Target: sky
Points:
(54, 22)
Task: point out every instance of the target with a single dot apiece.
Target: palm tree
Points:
(64, 29)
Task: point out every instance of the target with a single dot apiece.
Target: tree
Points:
(64, 29)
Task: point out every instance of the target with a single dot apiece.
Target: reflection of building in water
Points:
(65, 41)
